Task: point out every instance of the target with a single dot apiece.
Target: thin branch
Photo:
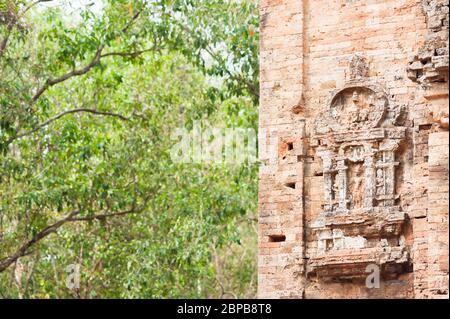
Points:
(6, 38)
(31, 6)
(94, 62)
(13, 23)
(250, 86)
(130, 23)
(22, 251)
(127, 54)
(30, 274)
(78, 110)
(71, 217)
(132, 210)
(51, 82)
(103, 216)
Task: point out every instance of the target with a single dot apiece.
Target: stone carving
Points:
(358, 106)
(355, 153)
(356, 138)
(431, 62)
(332, 267)
(358, 67)
(380, 182)
(359, 176)
(369, 187)
(359, 137)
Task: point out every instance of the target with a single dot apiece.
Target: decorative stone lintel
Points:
(351, 264)
(379, 222)
(389, 164)
(351, 136)
(372, 134)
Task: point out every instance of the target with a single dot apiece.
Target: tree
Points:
(86, 176)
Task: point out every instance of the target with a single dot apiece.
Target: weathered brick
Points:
(343, 69)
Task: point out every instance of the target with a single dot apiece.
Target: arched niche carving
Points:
(357, 137)
(359, 105)
(357, 108)
(357, 147)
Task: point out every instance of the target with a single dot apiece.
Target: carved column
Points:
(369, 169)
(328, 181)
(389, 177)
(342, 183)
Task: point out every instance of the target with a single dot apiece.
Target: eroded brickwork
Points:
(354, 120)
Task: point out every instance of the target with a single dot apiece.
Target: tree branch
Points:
(102, 216)
(77, 72)
(78, 110)
(4, 42)
(86, 69)
(13, 23)
(250, 86)
(32, 5)
(71, 217)
(127, 54)
(23, 250)
(94, 62)
(129, 24)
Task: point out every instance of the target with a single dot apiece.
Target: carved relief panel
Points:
(357, 138)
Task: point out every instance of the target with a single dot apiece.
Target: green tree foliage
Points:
(87, 106)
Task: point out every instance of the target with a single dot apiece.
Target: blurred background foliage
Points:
(90, 92)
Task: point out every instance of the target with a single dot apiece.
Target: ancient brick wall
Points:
(354, 145)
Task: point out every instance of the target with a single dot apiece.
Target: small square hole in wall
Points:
(290, 146)
(425, 127)
(290, 185)
(318, 173)
(277, 238)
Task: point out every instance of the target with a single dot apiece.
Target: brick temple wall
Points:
(354, 145)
